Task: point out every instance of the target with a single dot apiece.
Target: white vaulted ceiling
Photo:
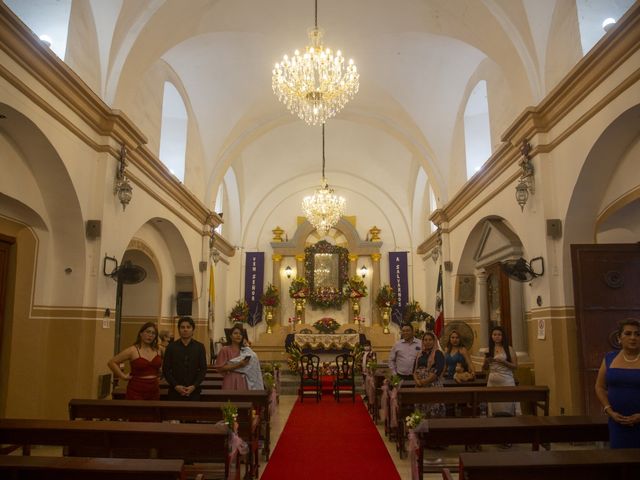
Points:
(418, 62)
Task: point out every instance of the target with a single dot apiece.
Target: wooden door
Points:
(5, 247)
(606, 289)
(498, 299)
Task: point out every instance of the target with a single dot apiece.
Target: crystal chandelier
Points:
(315, 85)
(323, 209)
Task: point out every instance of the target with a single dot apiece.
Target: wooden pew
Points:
(204, 444)
(259, 398)
(521, 429)
(162, 411)
(79, 468)
(622, 464)
(537, 396)
(120, 391)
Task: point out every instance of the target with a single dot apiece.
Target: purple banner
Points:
(253, 285)
(399, 281)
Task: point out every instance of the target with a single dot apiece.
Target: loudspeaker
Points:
(183, 303)
(554, 227)
(448, 265)
(93, 228)
(202, 266)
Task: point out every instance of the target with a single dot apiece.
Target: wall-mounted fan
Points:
(125, 274)
(522, 271)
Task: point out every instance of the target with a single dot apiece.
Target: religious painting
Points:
(326, 269)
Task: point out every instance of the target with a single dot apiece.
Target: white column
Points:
(518, 324)
(483, 334)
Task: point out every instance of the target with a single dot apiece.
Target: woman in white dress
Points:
(502, 362)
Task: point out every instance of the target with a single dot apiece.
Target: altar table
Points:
(326, 341)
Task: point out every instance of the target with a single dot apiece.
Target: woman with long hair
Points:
(145, 360)
(428, 370)
(230, 359)
(456, 353)
(502, 362)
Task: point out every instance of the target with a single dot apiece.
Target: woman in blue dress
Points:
(456, 353)
(618, 387)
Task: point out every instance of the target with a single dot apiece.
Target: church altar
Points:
(326, 341)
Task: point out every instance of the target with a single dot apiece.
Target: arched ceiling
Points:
(417, 61)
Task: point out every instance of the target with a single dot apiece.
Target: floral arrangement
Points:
(271, 296)
(386, 297)
(299, 288)
(229, 414)
(327, 297)
(394, 380)
(240, 312)
(269, 380)
(326, 325)
(293, 357)
(327, 369)
(413, 420)
(355, 288)
(413, 313)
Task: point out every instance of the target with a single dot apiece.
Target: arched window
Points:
(591, 18)
(477, 134)
(432, 207)
(173, 132)
(219, 207)
(48, 20)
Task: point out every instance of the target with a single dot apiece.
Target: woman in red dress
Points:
(145, 359)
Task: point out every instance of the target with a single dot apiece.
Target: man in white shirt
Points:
(402, 357)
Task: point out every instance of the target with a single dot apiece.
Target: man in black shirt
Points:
(185, 363)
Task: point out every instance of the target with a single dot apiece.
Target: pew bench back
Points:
(78, 468)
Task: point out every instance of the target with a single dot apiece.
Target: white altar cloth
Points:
(326, 341)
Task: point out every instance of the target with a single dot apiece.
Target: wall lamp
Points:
(526, 185)
(363, 271)
(122, 187)
(288, 271)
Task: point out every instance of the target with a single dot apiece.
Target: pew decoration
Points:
(412, 422)
(237, 447)
(269, 381)
(240, 312)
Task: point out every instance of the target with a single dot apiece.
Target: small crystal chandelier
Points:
(323, 209)
(315, 85)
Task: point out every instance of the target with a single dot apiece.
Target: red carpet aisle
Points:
(330, 441)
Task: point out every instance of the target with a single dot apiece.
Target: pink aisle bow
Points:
(384, 400)
(273, 402)
(370, 389)
(237, 448)
(414, 445)
(394, 407)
